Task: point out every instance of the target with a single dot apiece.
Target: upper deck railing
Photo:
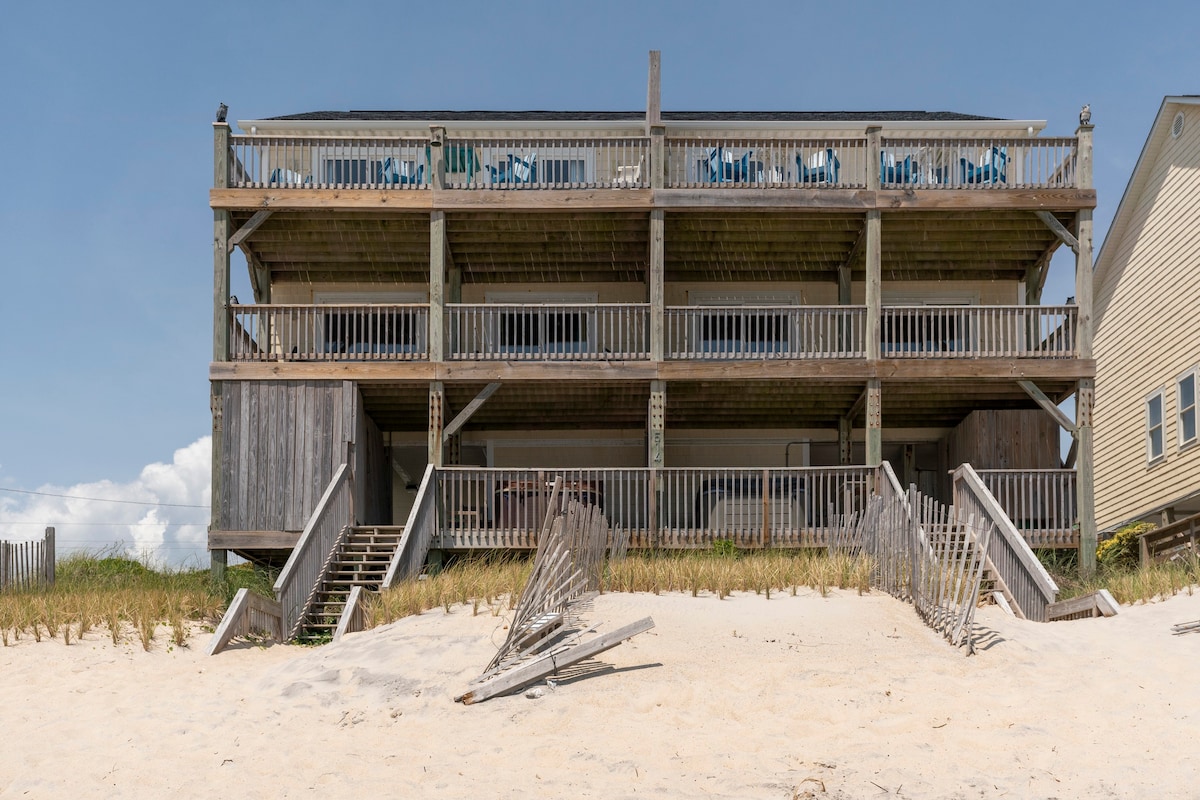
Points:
(978, 331)
(1031, 163)
(730, 333)
(605, 332)
(589, 162)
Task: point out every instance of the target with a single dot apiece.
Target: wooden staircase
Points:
(360, 559)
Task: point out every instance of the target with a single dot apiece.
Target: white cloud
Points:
(169, 530)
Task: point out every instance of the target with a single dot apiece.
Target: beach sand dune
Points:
(843, 696)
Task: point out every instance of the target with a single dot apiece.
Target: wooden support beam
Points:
(437, 158)
(437, 286)
(873, 245)
(844, 270)
(221, 225)
(857, 407)
(844, 453)
(655, 273)
(260, 276)
(1035, 275)
(437, 406)
(1058, 229)
(1072, 454)
(874, 423)
(1085, 477)
(252, 224)
(252, 540)
(461, 417)
(654, 91)
(1048, 405)
(656, 425)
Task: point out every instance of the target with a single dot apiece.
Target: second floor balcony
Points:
(622, 332)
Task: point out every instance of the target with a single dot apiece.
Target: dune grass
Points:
(1127, 583)
(127, 599)
(492, 585)
(131, 602)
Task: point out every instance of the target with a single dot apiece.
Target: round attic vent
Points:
(1177, 125)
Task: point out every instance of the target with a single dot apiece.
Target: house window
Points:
(562, 170)
(1154, 426)
(543, 323)
(748, 323)
(348, 171)
(1185, 389)
(544, 330)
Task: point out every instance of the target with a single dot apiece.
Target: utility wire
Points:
(103, 499)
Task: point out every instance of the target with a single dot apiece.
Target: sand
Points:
(830, 697)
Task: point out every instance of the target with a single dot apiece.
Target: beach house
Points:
(1147, 345)
(714, 325)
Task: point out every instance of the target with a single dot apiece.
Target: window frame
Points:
(1159, 394)
(1194, 375)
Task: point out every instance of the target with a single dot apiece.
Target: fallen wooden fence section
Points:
(248, 614)
(27, 565)
(553, 662)
(545, 634)
(1096, 604)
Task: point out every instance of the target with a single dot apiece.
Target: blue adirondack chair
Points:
(722, 167)
(824, 169)
(892, 171)
(393, 171)
(992, 168)
(515, 170)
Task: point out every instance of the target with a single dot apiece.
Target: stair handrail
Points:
(419, 530)
(1028, 583)
(304, 566)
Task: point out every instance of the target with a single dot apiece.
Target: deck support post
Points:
(1085, 388)
(656, 423)
(437, 406)
(874, 426)
(873, 256)
(221, 226)
(873, 252)
(219, 560)
(437, 286)
(844, 452)
(656, 291)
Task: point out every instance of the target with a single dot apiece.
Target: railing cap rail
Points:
(1046, 585)
(285, 575)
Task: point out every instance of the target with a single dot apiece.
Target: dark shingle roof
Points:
(635, 116)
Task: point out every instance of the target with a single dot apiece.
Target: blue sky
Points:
(107, 258)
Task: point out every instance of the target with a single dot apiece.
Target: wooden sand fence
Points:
(926, 554)
(27, 565)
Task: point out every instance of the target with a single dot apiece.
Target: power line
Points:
(103, 499)
(112, 524)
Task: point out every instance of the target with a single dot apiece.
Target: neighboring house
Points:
(712, 322)
(1148, 331)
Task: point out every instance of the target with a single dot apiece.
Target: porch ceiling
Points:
(537, 247)
(370, 247)
(958, 245)
(549, 247)
(943, 404)
(560, 405)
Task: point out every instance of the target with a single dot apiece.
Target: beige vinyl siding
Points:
(1149, 333)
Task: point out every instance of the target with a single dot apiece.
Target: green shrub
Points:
(1121, 550)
